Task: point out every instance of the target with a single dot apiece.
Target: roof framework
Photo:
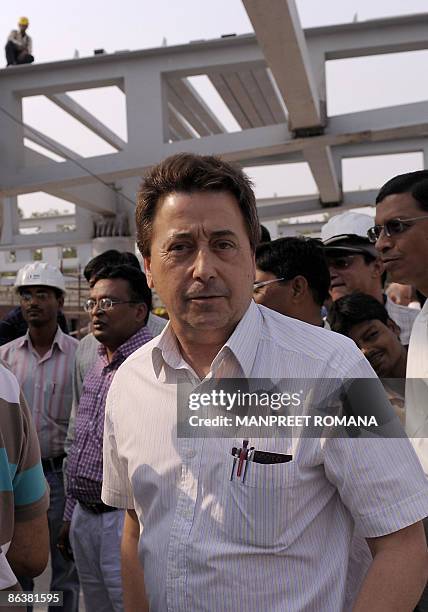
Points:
(273, 84)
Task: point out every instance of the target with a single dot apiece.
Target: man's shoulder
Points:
(400, 310)
(288, 334)
(9, 387)
(10, 347)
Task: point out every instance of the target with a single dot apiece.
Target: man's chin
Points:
(99, 334)
(338, 292)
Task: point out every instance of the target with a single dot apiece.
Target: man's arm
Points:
(29, 550)
(398, 574)
(134, 594)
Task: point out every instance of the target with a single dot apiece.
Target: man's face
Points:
(350, 273)
(404, 255)
(39, 305)
(201, 263)
(276, 296)
(23, 28)
(380, 344)
(113, 327)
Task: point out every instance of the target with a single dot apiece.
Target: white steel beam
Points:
(281, 208)
(49, 143)
(190, 98)
(77, 111)
(280, 36)
(322, 167)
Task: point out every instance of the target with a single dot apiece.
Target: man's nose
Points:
(204, 264)
(383, 243)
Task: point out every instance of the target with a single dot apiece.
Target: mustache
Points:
(198, 293)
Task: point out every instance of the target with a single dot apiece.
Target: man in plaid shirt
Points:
(119, 305)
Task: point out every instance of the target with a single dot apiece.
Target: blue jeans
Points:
(64, 574)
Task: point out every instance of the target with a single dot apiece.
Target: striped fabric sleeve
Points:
(30, 487)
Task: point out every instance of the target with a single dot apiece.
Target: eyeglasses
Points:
(105, 304)
(341, 263)
(267, 282)
(392, 227)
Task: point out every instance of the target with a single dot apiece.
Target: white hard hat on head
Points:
(347, 232)
(346, 224)
(40, 273)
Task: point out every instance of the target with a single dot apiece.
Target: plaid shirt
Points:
(85, 460)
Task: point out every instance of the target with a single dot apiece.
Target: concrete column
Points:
(52, 255)
(84, 253)
(24, 256)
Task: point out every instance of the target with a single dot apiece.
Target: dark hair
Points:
(109, 258)
(414, 183)
(355, 308)
(138, 287)
(290, 257)
(264, 234)
(189, 173)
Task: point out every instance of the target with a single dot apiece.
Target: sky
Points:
(62, 29)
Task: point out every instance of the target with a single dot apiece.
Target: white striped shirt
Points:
(404, 317)
(46, 384)
(281, 541)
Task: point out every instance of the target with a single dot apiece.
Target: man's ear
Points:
(394, 327)
(142, 310)
(148, 271)
(61, 302)
(299, 287)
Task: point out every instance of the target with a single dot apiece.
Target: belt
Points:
(96, 508)
(51, 464)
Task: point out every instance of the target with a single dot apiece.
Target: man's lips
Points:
(98, 324)
(375, 358)
(389, 261)
(204, 297)
(336, 284)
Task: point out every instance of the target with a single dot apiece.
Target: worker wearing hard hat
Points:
(19, 46)
(42, 361)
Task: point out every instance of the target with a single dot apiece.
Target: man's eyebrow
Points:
(214, 234)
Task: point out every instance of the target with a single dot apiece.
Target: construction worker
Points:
(19, 46)
(42, 361)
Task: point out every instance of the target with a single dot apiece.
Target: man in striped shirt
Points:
(273, 535)
(24, 497)
(119, 304)
(42, 361)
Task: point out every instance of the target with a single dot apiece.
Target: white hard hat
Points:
(348, 232)
(40, 273)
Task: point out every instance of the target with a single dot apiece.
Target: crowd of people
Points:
(138, 517)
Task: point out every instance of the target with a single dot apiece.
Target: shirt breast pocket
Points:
(257, 512)
(57, 402)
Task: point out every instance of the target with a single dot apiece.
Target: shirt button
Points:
(191, 453)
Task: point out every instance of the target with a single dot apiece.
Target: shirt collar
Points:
(242, 344)
(140, 337)
(58, 340)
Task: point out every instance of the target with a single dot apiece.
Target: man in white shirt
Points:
(19, 46)
(273, 535)
(401, 237)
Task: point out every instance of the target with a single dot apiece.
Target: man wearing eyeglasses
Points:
(42, 361)
(355, 266)
(119, 304)
(292, 278)
(401, 237)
